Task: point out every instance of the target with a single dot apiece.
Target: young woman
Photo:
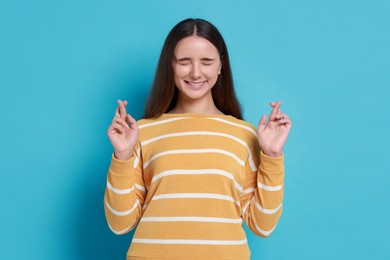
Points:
(191, 171)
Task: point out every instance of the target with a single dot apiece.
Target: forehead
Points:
(195, 46)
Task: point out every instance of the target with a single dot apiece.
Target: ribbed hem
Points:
(271, 164)
(121, 167)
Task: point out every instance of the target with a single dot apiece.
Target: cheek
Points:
(212, 72)
(180, 71)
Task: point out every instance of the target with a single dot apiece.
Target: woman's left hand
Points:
(272, 135)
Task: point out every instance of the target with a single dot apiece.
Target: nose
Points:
(196, 70)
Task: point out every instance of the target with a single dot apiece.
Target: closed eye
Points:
(207, 61)
(188, 61)
(183, 61)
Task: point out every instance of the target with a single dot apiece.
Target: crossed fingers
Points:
(121, 119)
(277, 116)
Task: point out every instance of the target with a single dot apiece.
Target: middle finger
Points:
(122, 109)
(275, 111)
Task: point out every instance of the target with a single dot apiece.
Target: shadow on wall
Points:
(92, 237)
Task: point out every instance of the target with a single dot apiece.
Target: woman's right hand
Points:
(123, 133)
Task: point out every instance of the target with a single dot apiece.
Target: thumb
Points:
(262, 123)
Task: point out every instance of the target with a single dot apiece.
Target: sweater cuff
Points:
(271, 164)
(121, 167)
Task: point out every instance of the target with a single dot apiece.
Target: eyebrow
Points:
(207, 59)
(188, 59)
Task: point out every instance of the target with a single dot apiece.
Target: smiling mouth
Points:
(195, 84)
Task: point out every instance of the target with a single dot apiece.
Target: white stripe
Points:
(269, 188)
(196, 172)
(136, 160)
(189, 242)
(139, 187)
(161, 122)
(122, 213)
(187, 151)
(245, 208)
(235, 124)
(264, 232)
(264, 187)
(120, 232)
(251, 162)
(195, 196)
(248, 191)
(118, 191)
(192, 219)
(267, 211)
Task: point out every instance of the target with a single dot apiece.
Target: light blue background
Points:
(63, 65)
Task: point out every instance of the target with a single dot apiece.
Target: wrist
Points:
(272, 154)
(123, 156)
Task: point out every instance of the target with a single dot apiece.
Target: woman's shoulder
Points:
(144, 121)
(246, 127)
(241, 122)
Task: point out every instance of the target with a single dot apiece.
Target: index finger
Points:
(275, 110)
(121, 110)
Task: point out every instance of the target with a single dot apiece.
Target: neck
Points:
(195, 107)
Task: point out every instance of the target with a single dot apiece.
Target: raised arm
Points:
(264, 188)
(263, 195)
(125, 191)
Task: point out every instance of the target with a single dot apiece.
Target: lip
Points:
(195, 84)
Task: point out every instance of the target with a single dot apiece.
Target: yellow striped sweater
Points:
(191, 183)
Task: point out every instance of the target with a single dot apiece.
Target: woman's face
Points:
(196, 66)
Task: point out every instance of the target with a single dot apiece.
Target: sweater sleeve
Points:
(125, 193)
(263, 194)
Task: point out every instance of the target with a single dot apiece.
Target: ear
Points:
(219, 70)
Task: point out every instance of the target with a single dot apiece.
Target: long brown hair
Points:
(163, 95)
